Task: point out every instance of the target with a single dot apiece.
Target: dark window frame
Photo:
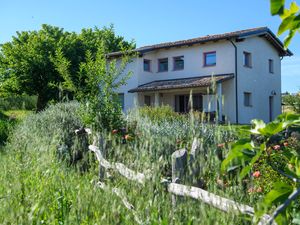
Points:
(147, 100)
(271, 66)
(174, 62)
(149, 61)
(159, 68)
(247, 99)
(247, 59)
(205, 54)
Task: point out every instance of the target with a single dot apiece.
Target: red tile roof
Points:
(260, 31)
(203, 81)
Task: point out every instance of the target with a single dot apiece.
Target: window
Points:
(147, 65)
(247, 59)
(147, 100)
(121, 100)
(163, 65)
(271, 66)
(210, 59)
(247, 99)
(178, 63)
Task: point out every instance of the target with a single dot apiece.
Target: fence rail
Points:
(179, 161)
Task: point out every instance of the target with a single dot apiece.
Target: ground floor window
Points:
(183, 105)
(147, 100)
(247, 99)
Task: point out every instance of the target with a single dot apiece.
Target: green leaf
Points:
(289, 38)
(294, 8)
(286, 24)
(236, 151)
(258, 124)
(247, 169)
(277, 7)
(279, 194)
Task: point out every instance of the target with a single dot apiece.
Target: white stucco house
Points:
(245, 67)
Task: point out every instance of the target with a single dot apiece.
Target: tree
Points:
(101, 78)
(290, 18)
(27, 62)
(293, 101)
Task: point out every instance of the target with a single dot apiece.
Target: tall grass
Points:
(38, 188)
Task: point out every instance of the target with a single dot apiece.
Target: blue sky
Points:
(150, 22)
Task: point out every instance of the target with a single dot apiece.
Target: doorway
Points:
(271, 108)
(182, 104)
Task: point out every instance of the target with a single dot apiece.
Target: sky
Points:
(150, 22)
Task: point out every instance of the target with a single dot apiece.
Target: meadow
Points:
(48, 176)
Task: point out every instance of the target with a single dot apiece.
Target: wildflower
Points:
(128, 137)
(276, 147)
(114, 131)
(286, 144)
(258, 190)
(256, 174)
(222, 145)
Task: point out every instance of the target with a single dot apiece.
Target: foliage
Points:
(99, 95)
(290, 18)
(36, 188)
(293, 101)
(159, 114)
(265, 146)
(53, 127)
(27, 62)
(6, 124)
(15, 102)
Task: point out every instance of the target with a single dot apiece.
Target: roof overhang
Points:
(183, 83)
(261, 31)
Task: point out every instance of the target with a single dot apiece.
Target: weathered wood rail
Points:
(216, 201)
(180, 159)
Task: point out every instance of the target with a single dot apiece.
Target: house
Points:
(244, 67)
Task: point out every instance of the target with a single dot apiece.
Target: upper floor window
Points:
(210, 59)
(247, 99)
(178, 63)
(271, 66)
(163, 65)
(247, 59)
(147, 65)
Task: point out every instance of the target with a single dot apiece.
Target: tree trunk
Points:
(41, 102)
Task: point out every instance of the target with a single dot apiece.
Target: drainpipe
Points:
(236, 84)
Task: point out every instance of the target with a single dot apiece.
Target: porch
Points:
(204, 94)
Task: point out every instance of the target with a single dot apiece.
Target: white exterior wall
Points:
(258, 80)
(193, 62)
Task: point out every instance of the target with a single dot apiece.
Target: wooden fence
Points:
(179, 163)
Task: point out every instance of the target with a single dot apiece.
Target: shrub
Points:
(53, 128)
(18, 102)
(6, 124)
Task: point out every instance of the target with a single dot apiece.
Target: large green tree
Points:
(27, 63)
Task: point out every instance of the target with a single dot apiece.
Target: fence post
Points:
(179, 165)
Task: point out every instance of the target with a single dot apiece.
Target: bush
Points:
(6, 125)
(53, 128)
(18, 102)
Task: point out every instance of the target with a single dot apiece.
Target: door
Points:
(271, 108)
(183, 105)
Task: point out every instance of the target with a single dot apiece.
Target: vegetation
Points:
(40, 182)
(290, 18)
(270, 152)
(28, 62)
(293, 101)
